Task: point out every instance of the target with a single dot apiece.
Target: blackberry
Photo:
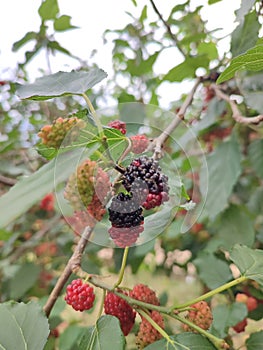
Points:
(200, 314)
(125, 236)
(143, 293)
(118, 307)
(125, 211)
(144, 179)
(80, 295)
(147, 334)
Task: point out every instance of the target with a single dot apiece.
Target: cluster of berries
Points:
(147, 188)
(62, 130)
(200, 314)
(116, 306)
(86, 191)
(81, 297)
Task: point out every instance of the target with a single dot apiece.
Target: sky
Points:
(93, 18)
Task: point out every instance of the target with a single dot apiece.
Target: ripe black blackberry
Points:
(144, 179)
(126, 218)
(125, 211)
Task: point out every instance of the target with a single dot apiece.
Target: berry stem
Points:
(123, 265)
(211, 293)
(219, 343)
(93, 113)
(101, 304)
(156, 326)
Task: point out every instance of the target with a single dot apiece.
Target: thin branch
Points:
(159, 141)
(236, 114)
(7, 180)
(169, 30)
(72, 265)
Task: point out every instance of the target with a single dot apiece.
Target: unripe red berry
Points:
(139, 143)
(200, 314)
(147, 333)
(143, 293)
(118, 307)
(80, 295)
(119, 125)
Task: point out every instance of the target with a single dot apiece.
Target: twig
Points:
(72, 265)
(7, 180)
(169, 30)
(159, 141)
(236, 114)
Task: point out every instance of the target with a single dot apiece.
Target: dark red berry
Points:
(240, 326)
(118, 307)
(119, 125)
(139, 143)
(80, 295)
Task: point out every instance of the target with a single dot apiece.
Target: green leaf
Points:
(207, 262)
(143, 15)
(187, 340)
(5, 235)
(23, 327)
(63, 23)
(251, 87)
(69, 338)
(251, 60)
(255, 341)
(225, 316)
(24, 278)
(249, 261)
(55, 46)
(61, 83)
(223, 163)
(235, 225)
(26, 38)
(245, 35)
(244, 9)
(29, 190)
(144, 66)
(187, 68)
(255, 152)
(48, 9)
(210, 2)
(209, 49)
(101, 335)
(117, 142)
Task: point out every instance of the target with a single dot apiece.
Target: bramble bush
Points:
(131, 226)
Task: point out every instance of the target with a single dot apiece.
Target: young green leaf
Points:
(251, 60)
(249, 261)
(60, 84)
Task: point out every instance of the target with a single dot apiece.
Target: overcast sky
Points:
(93, 18)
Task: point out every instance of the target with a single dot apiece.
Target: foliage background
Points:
(36, 244)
